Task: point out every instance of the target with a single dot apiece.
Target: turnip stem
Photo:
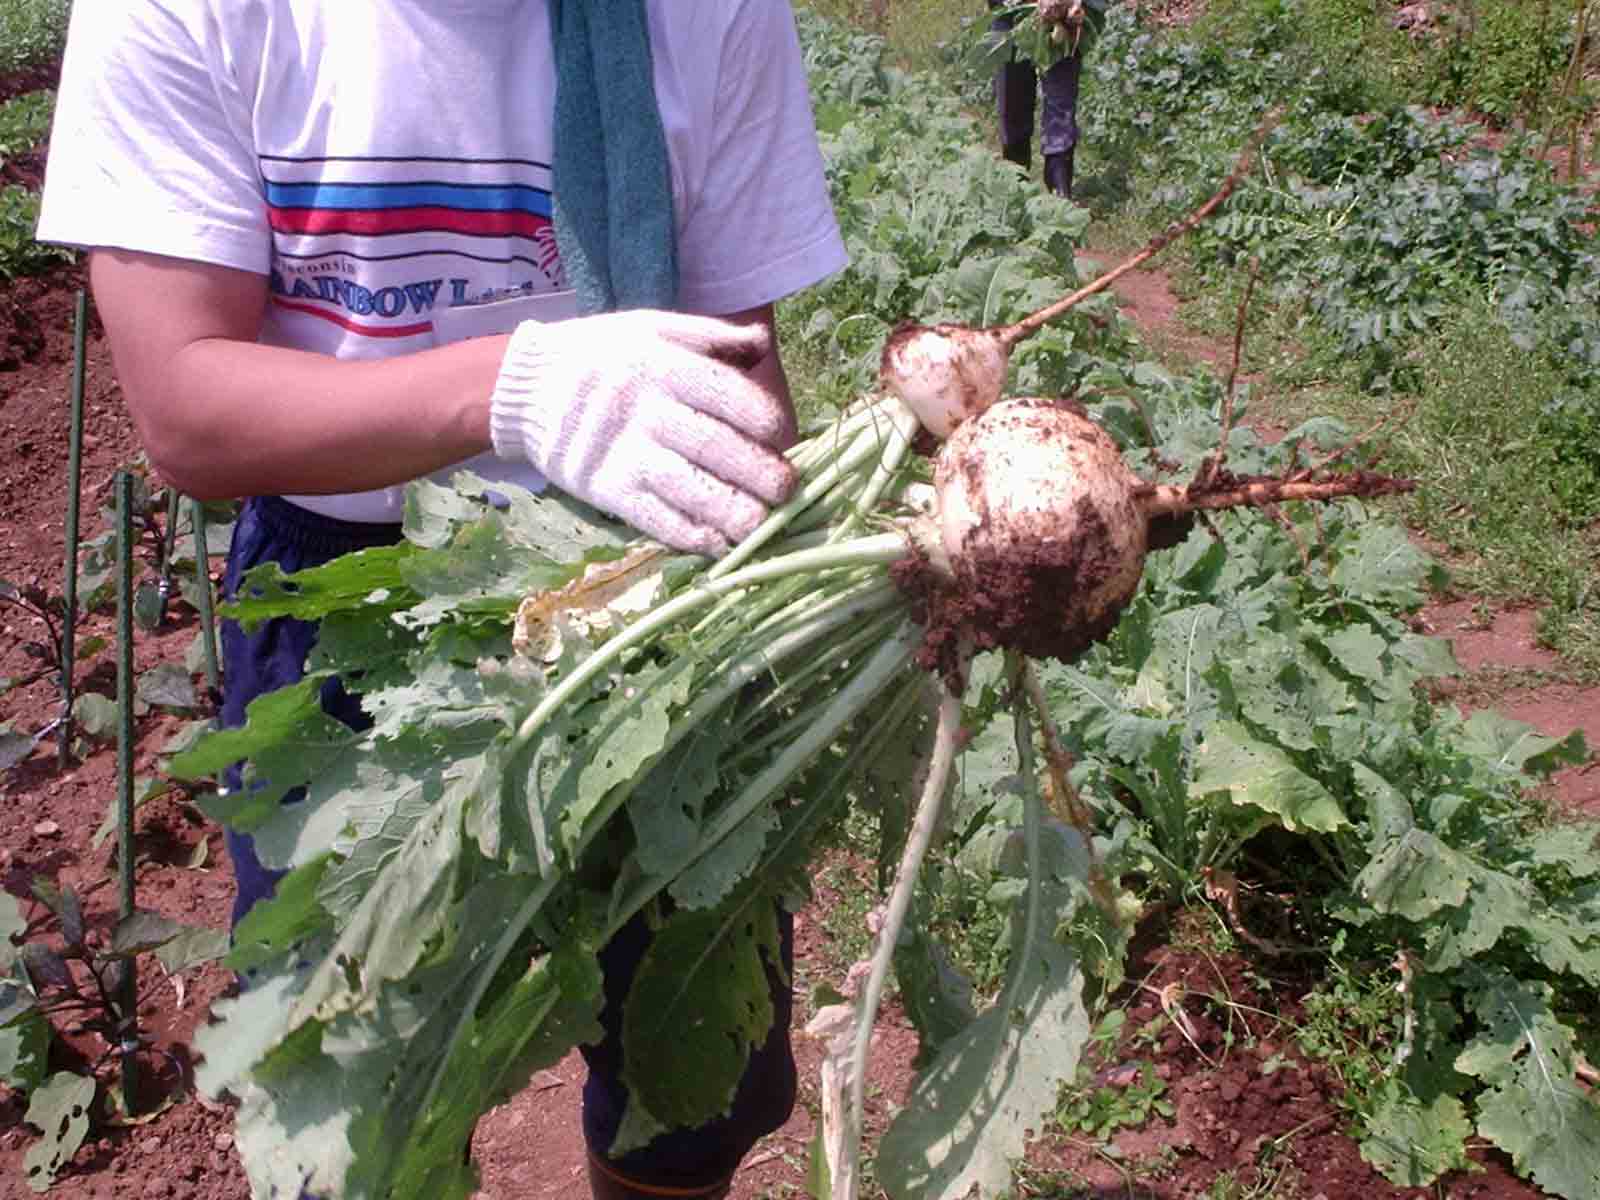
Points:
(947, 732)
(882, 549)
(1058, 763)
(903, 427)
(1170, 499)
(865, 446)
(888, 661)
(1010, 335)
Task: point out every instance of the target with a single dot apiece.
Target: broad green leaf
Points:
(61, 1109)
(1516, 1020)
(1535, 1109)
(937, 997)
(1256, 773)
(1412, 1144)
(1515, 746)
(24, 1052)
(434, 512)
(192, 946)
(482, 570)
(1428, 657)
(96, 716)
(395, 922)
(351, 798)
(530, 1026)
(969, 1112)
(143, 931)
(1551, 1129)
(368, 579)
(1575, 847)
(283, 923)
(13, 925)
(621, 742)
(270, 719)
(1359, 651)
(330, 1104)
(14, 747)
(666, 810)
(561, 527)
(166, 685)
(971, 1109)
(1389, 813)
(1416, 876)
(1381, 563)
(699, 1005)
(1282, 691)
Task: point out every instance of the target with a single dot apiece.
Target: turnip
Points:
(1043, 530)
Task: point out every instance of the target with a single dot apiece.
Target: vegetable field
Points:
(1276, 875)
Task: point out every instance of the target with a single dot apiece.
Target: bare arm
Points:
(223, 416)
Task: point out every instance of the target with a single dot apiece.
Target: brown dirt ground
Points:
(1228, 1109)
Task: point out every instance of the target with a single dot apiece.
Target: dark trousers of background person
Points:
(693, 1164)
(1017, 88)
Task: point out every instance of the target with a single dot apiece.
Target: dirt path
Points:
(1504, 665)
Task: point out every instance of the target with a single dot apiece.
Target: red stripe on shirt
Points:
(377, 331)
(374, 223)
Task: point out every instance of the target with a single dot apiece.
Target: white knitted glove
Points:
(646, 415)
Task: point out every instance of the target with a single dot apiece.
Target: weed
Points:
(1352, 1023)
(25, 122)
(845, 917)
(19, 253)
(1129, 1097)
(65, 969)
(31, 32)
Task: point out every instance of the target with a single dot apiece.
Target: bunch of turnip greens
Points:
(644, 736)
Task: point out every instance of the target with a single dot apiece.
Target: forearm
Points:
(236, 418)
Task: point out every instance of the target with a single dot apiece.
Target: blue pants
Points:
(271, 529)
(1017, 85)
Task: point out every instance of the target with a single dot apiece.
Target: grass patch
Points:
(1507, 492)
(923, 34)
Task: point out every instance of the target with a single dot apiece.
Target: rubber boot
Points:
(606, 1184)
(1058, 173)
(1020, 153)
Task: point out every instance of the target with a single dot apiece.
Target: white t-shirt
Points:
(381, 159)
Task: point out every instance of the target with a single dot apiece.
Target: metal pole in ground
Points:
(202, 566)
(128, 990)
(169, 542)
(69, 585)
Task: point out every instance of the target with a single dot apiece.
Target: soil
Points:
(1228, 1106)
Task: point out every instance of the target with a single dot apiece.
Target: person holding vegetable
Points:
(339, 247)
(1044, 44)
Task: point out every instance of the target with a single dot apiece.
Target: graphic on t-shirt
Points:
(374, 244)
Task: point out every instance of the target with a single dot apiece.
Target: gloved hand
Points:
(648, 416)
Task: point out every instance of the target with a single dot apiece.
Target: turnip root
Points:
(1043, 531)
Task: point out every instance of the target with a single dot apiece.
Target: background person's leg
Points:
(1015, 86)
(273, 655)
(1058, 134)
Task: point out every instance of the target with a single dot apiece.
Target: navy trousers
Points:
(1017, 87)
(271, 529)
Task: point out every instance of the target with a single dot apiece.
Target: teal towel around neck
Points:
(612, 182)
